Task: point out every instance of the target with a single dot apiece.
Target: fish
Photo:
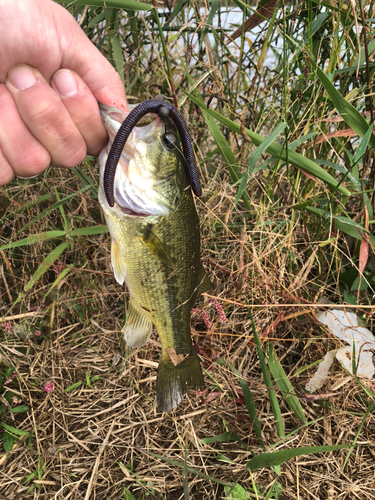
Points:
(155, 247)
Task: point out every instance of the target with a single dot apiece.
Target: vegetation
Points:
(281, 124)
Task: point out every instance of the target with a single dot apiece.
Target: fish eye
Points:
(170, 140)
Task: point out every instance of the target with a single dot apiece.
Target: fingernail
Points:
(65, 83)
(22, 77)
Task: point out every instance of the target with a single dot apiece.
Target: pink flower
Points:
(220, 310)
(59, 267)
(11, 377)
(204, 315)
(8, 327)
(37, 333)
(49, 387)
(16, 400)
(206, 319)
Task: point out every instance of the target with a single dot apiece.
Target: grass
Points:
(280, 122)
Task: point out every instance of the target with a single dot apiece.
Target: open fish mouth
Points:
(166, 112)
(139, 189)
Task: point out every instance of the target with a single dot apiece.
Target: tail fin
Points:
(174, 380)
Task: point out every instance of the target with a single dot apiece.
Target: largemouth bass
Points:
(155, 248)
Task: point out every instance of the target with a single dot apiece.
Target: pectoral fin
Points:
(156, 247)
(137, 329)
(118, 264)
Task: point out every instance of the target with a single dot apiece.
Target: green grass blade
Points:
(267, 379)
(50, 235)
(165, 51)
(215, 4)
(53, 207)
(255, 158)
(370, 407)
(86, 179)
(250, 404)
(127, 495)
(350, 115)
(361, 149)
(59, 278)
(5, 201)
(62, 211)
(32, 203)
(34, 238)
(176, 10)
(55, 254)
(117, 50)
(279, 457)
(282, 382)
(13, 430)
(227, 154)
(301, 140)
(276, 150)
(362, 56)
(19, 409)
(97, 19)
(8, 441)
(342, 170)
(73, 386)
(344, 224)
(221, 142)
(118, 4)
(87, 231)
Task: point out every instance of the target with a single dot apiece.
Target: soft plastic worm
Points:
(151, 106)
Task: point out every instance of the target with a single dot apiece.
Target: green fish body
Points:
(155, 250)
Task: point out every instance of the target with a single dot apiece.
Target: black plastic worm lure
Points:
(163, 109)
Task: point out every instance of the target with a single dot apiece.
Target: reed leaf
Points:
(117, 4)
(344, 224)
(282, 382)
(43, 268)
(267, 379)
(349, 114)
(279, 457)
(276, 150)
(250, 404)
(33, 239)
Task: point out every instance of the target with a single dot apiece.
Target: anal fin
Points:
(137, 329)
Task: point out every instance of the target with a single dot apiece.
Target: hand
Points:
(51, 77)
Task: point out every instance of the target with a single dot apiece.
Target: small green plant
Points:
(10, 404)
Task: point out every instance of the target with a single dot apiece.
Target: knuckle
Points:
(32, 157)
(35, 162)
(74, 156)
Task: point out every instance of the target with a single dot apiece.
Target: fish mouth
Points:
(165, 111)
(138, 191)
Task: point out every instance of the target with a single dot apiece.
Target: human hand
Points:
(51, 77)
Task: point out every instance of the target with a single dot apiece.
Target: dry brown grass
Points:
(91, 442)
